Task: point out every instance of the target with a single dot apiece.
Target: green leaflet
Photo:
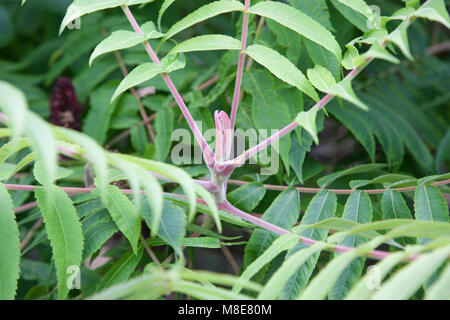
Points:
(138, 177)
(6, 170)
(205, 292)
(9, 247)
(97, 229)
(149, 284)
(368, 284)
(408, 280)
(400, 227)
(316, 9)
(429, 204)
(172, 224)
(282, 68)
(121, 270)
(358, 208)
(385, 179)
(172, 173)
(345, 91)
(321, 78)
(269, 110)
(440, 289)
(327, 180)
(434, 10)
(64, 231)
(173, 62)
(281, 244)
(307, 120)
(44, 146)
(322, 283)
(377, 51)
(201, 242)
(357, 12)
(81, 7)
(248, 196)
(321, 207)
(394, 207)
(166, 4)
(298, 152)
(122, 39)
(298, 22)
(139, 138)
(123, 213)
(141, 73)
(400, 38)
(118, 40)
(287, 39)
(14, 104)
(358, 5)
(39, 173)
(351, 58)
(320, 55)
(10, 148)
(207, 43)
(164, 128)
(217, 278)
(300, 146)
(292, 263)
(203, 13)
(283, 212)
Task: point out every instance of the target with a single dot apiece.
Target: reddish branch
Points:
(337, 191)
(207, 152)
(240, 68)
(226, 206)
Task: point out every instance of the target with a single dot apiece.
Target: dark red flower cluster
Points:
(65, 110)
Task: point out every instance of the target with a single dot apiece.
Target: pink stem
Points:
(237, 86)
(226, 206)
(75, 190)
(25, 207)
(207, 152)
(337, 191)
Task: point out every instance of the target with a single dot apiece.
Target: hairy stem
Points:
(207, 152)
(240, 68)
(226, 206)
(337, 191)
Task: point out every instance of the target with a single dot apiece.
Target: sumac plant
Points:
(346, 99)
